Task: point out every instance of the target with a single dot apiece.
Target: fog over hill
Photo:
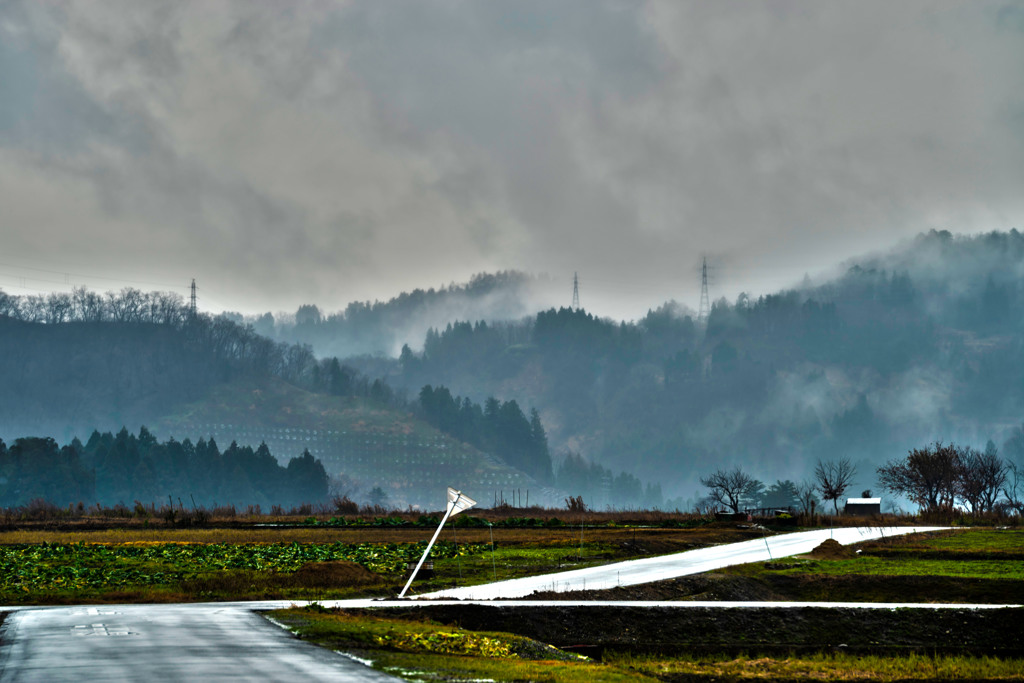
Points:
(901, 349)
(383, 327)
(428, 163)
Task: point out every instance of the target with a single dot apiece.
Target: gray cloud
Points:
(325, 152)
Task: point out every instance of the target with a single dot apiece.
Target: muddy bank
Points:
(812, 588)
(592, 629)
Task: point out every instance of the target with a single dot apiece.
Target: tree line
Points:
(236, 345)
(942, 477)
(124, 467)
(936, 478)
(497, 427)
(71, 361)
(597, 485)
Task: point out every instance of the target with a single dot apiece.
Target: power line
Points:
(31, 289)
(20, 282)
(67, 275)
(22, 279)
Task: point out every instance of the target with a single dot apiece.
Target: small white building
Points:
(863, 507)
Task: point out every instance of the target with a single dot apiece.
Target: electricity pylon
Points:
(705, 301)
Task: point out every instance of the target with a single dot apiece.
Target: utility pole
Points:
(705, 301)
(575, 292)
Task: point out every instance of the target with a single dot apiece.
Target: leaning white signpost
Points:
(457, 502)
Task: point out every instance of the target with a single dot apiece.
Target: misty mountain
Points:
(74, 363)
(382, 327)
(904, 348)
(63, 380)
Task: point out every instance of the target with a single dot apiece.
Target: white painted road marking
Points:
(98, 630)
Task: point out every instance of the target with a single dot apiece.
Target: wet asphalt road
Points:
(163, 643)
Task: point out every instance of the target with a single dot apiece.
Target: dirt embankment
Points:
(808, 586)
(764, 630)
(812, 588)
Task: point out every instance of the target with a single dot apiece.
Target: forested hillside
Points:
(904, 348)
(70, 363)
(74, 363)
(382, 327)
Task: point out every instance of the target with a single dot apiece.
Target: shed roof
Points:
(863, 501)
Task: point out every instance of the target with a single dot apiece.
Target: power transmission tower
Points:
(705, 301)
(575, 292)
(192, 300)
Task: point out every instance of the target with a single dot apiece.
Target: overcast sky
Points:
(322, 152)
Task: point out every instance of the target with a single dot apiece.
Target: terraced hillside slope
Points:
(362, 439)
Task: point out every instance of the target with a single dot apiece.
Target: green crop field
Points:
(877, 566)
(995, 542)
(974, 553)
(964, 565)
(62, 573)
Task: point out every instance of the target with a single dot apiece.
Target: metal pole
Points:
(448, 512)
(455, 535)
(494, 567)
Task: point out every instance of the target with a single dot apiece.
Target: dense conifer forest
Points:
(125, 468)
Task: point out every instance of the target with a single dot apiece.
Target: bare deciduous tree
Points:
(833, 478)
(1012, 488)
(730, 487)
(59, 308)
(806, 497)
(927, 476)
(88, 305)
(33, 308)
(8, 305)
(980, 477)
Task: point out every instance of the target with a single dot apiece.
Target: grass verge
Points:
(969, 565)
(823, 667)
(503, 644)
(417, 649)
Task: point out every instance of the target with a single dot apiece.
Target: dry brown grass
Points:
(645, 541)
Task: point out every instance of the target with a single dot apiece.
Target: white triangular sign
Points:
(458, 501)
